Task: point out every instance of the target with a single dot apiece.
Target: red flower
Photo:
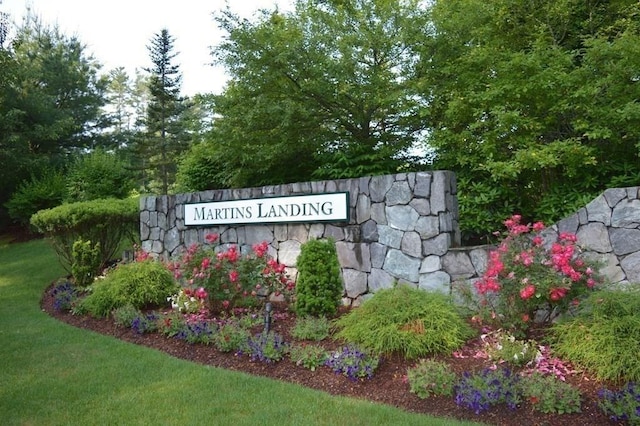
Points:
(557, 293)
(538, 226)
(528, 292)
(205, 263)
(211, 238)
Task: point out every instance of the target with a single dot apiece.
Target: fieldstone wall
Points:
(399, 228)
(607, 230)
(402, 227)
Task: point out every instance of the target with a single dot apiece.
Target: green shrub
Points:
(311, 328)
(201, 168)
(231, 337)
(431, 378)
(621, 405)
(319, 286)
(41, 192)
(411, 321)
(548, 394)
(308, 356)
(105, 222)
(85, 261)
(125, 315)
(138, 284)
(98, 175)
(603, 337)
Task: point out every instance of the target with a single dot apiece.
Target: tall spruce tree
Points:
(165, 138)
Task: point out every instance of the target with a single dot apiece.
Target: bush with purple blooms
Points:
(145, 323)
(65, 295)
(267, 347)
(622, 405)
(480, 391)
(197, 331)
(353, 362)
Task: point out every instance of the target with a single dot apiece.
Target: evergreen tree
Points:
(165, 138)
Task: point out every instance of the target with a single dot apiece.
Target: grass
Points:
(55, 374)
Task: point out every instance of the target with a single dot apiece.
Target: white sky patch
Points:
(117, 32)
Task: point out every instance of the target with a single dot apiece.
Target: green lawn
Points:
(55, 374)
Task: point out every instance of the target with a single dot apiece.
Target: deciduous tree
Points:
(533, 103)
(326, 91)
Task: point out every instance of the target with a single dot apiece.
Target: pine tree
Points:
(165, 137)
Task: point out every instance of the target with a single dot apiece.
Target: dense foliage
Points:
(106, 222)
(99, 174)
(532, 104)
(43, 191)
(535, 98)
(165, 137)
(603, 337)
(319, 287)
(138, 284)
(50, 101)
(407, 320)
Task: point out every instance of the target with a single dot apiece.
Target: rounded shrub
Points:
(319, 286)
(402, 319)
(201, 168)
(603, 337)
(99, 175)
(104, 222)
(41, 192)
(139, 284)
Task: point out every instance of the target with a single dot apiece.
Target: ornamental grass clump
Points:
(231, 278)
(407, 320)
(526, 277)
(603, 336)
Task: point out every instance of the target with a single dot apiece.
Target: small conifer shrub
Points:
(319, 287)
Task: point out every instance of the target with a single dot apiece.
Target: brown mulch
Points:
(388, 386)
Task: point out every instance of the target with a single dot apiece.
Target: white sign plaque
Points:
(332, 207)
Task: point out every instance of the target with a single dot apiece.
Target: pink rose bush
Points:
(525, 277)
(230, 278)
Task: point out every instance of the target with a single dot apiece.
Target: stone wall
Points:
(399, 228)
(607, 230)
(402, 228)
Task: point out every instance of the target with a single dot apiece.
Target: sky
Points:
(117, 32)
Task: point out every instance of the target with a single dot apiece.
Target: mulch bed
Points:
(388, 385)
